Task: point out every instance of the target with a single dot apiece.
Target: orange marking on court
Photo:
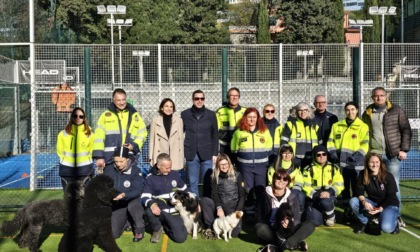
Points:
(164, 243)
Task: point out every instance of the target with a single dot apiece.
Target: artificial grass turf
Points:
(337, 238)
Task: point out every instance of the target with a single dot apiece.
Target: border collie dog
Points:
(186, 203)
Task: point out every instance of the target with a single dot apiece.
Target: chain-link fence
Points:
(282, 75)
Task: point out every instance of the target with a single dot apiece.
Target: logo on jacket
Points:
(136, 118)
(298, 134)
(330, 182)
(262, 140)
(127, 184)
(173, 183)
(108, 114)
(354, 136)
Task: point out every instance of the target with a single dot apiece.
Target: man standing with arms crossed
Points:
(228, 117)
(119, 125)
(201, 142)
(390, 134)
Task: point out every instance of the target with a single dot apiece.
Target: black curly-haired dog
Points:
(31, 219)
(284, 212)
(92, 223)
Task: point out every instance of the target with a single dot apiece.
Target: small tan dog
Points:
(226, 224)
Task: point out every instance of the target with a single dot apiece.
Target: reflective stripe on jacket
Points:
(116, 128)
(75, 151)
(317, 177)
(227, 121)
(347, 140)
(302, 138)
(251, 147)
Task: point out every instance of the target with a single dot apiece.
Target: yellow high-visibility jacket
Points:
(115, 128)
(75, 152)
(251, 147)
(347, 140)
(317, 177)
(302, 138)
(227, 121)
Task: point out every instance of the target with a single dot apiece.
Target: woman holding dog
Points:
(74, 148)
(252, 144)
(227, 197)
(278, 216)
(381, 189)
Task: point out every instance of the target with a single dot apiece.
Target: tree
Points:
(243, 13)
(312, 21)
(263, 34)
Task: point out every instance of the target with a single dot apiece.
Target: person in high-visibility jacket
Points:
(228, 117)
(74, 148)
(323, 182)
(286, 161)
(252, 143)
(348, 145)
(273, 126)
(119, 125)
(301, 132)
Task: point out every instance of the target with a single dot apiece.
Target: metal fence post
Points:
(356, 76)
(224, 74)
(88, 85)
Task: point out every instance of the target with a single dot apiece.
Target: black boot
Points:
(360, 229)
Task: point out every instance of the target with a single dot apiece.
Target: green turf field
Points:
(337, 238)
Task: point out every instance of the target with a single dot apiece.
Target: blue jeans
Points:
(193, 167)
(393, 165)
(387, 219)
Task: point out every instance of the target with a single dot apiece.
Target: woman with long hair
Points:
(227, 194)
(252, 143)
(167, 136)
(74, 148)
(381, 189)
(279, 218)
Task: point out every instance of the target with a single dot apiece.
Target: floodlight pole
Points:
(112, 50)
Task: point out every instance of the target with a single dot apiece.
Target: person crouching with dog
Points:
(227, 195)
(126, 206)
(279, 219)
(160, 185)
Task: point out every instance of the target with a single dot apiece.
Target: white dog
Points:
(226, 224)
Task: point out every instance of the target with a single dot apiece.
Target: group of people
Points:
(246, 161)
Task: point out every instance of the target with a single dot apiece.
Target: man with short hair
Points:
(228, 117)
(119, 125)
(126, 206)
(323, 119)
(201, 142)
(390, 133)
(160, 185)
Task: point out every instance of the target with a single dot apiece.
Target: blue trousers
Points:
(194, 167)
(387, 219)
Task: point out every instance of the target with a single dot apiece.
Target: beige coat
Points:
(159, 142)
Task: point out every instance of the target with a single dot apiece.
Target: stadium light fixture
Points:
(382, 11)
(120, 23)
(361, 23)
(111, 10)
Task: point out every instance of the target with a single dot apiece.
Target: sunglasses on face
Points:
(285, 179)
(323, 154)
(78, 116)
(199, 98)
(270, 111)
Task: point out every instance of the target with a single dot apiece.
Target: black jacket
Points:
(129, 182)
(324, 121)
(383, 194)
(228, 194)
(201, 135)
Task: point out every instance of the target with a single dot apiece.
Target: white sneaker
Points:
(401, 223)
(330, 222)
